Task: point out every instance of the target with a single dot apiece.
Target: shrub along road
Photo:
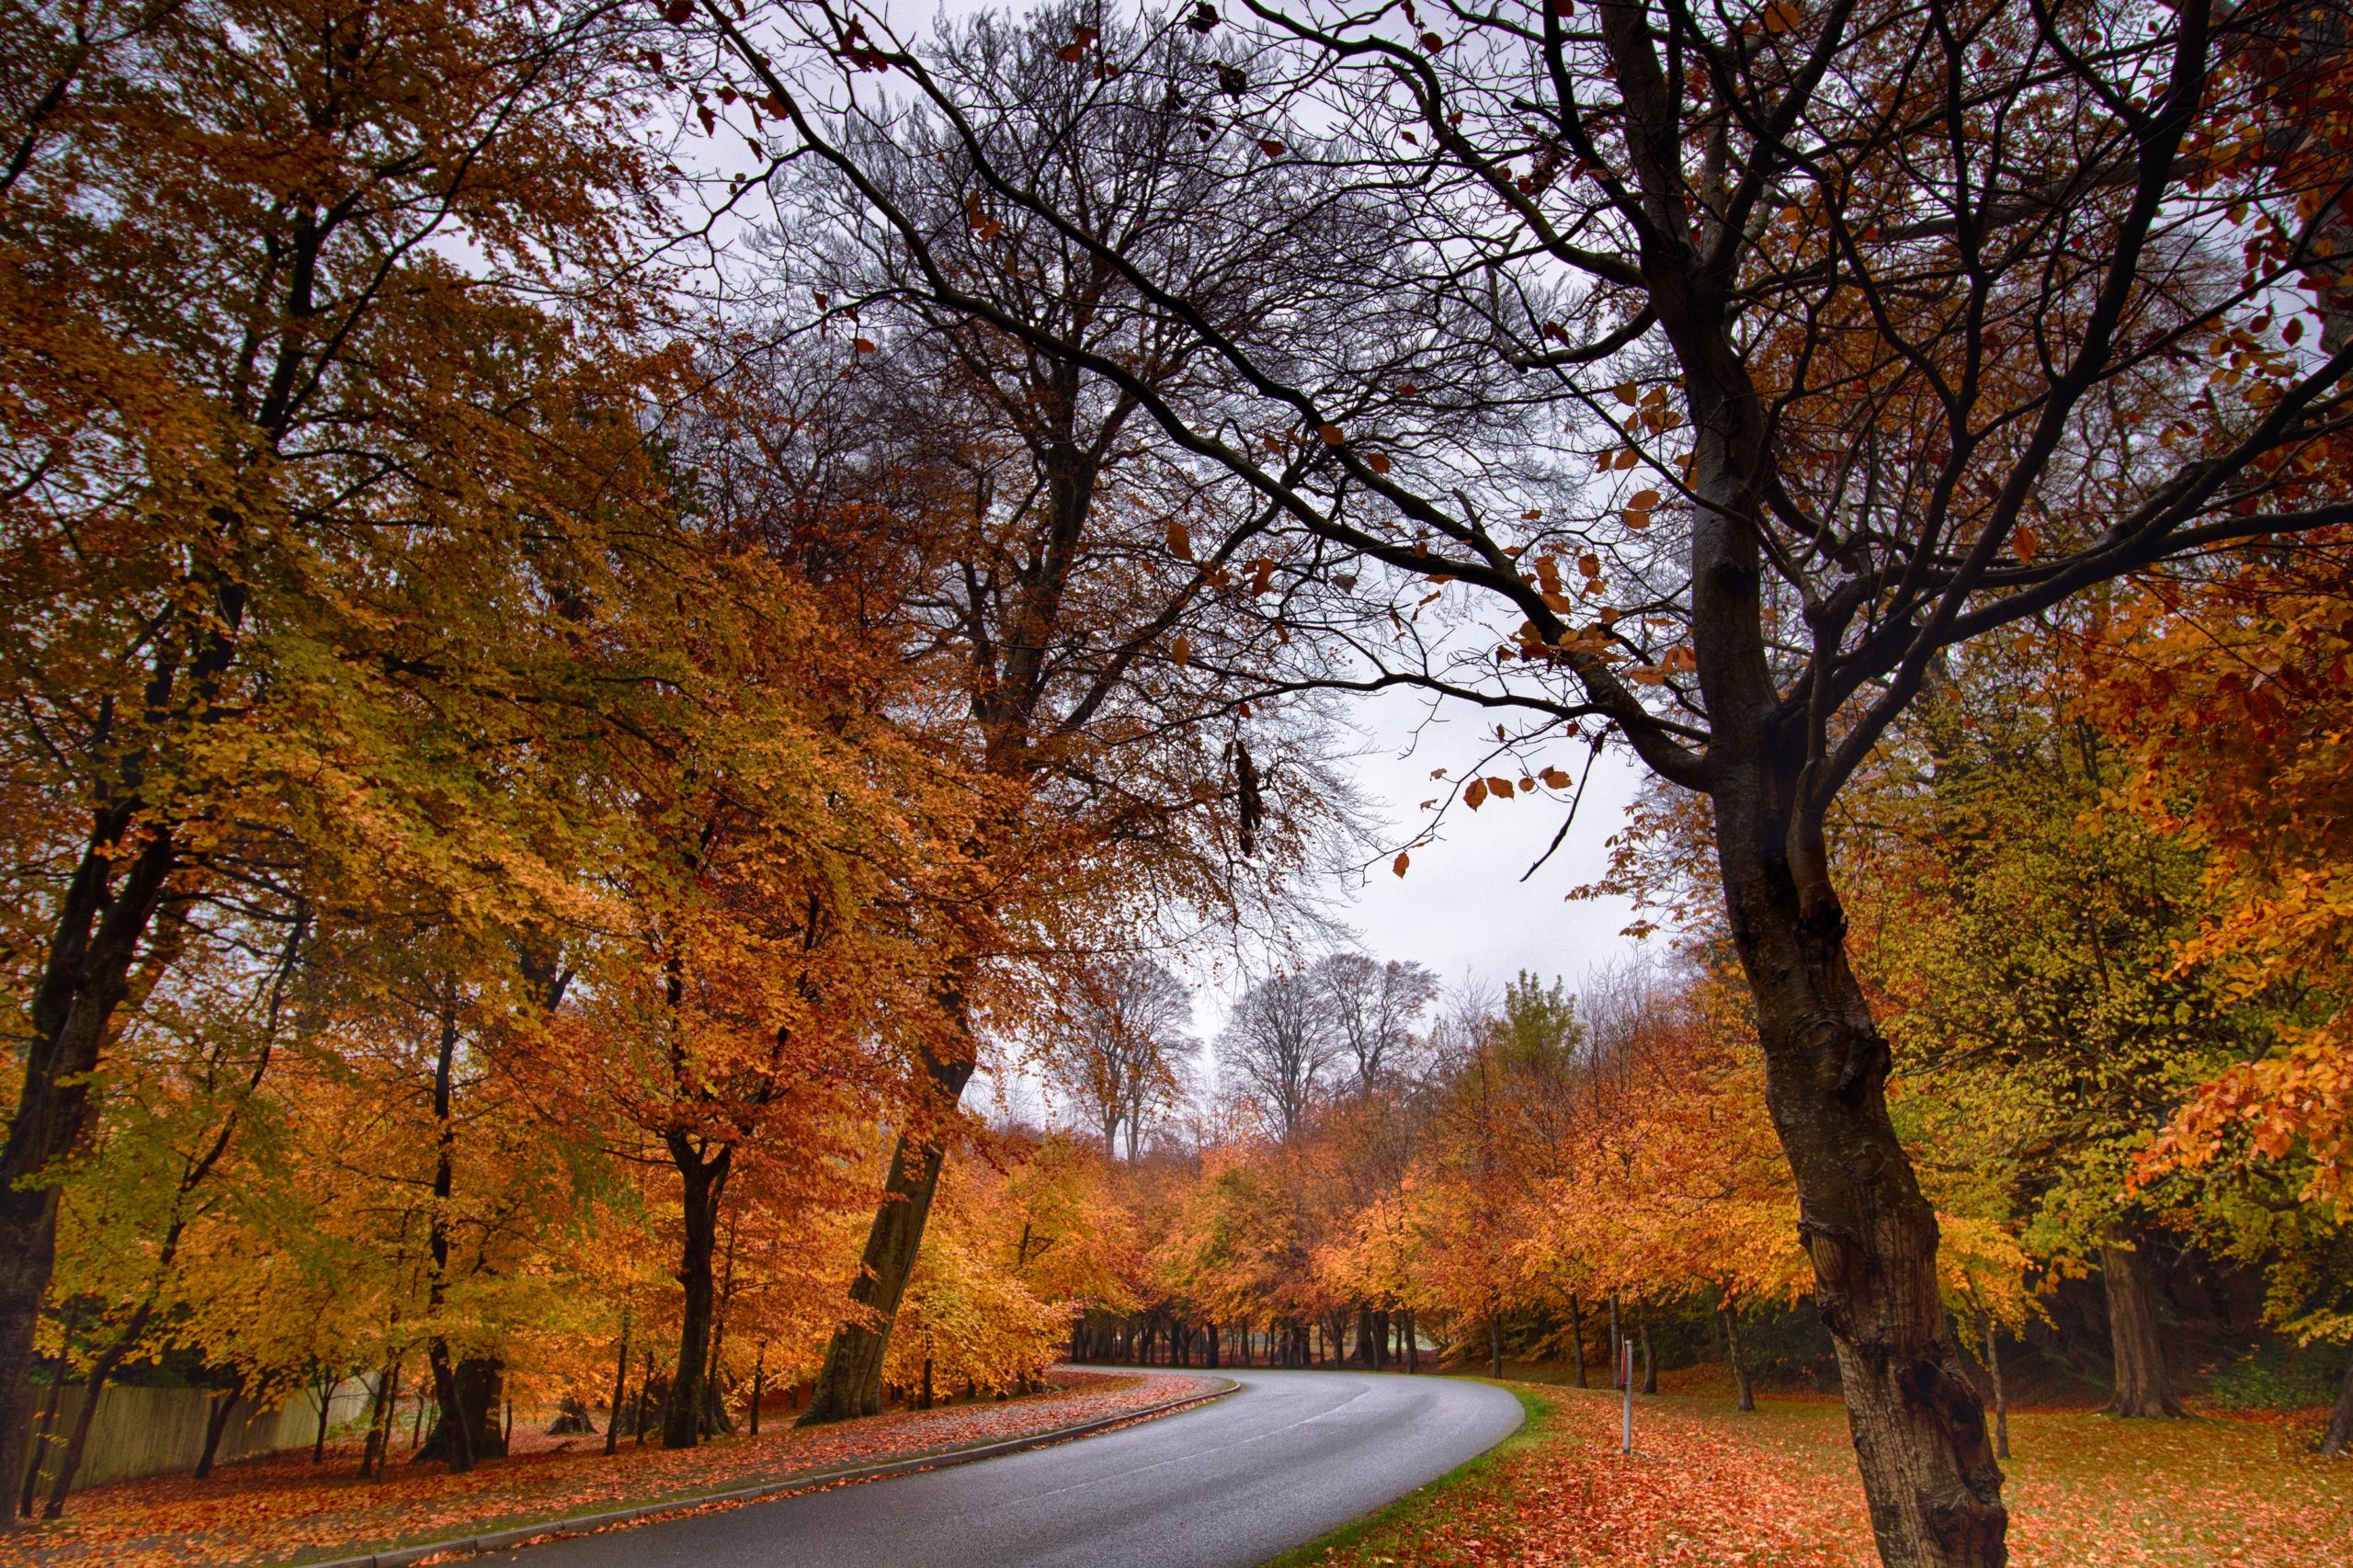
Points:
(1288, 1458)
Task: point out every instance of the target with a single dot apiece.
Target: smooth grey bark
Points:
(2143, 1389)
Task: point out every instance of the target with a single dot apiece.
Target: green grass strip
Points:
(1401, 1523)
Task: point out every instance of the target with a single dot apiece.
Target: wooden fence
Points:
(142, 1431)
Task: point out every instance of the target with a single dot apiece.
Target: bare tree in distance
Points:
(1865, 329)
(1277, 1049)
(1375, 1008)
(1120, 1047)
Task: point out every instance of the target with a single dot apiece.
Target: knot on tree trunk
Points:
(1968, 1520)
(1866, 1067)
(1971, 1529)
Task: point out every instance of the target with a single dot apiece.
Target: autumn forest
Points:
(681, 688)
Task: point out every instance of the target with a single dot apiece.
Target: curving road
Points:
(1225, 1485)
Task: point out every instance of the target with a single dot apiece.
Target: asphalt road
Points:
(1225, 1485)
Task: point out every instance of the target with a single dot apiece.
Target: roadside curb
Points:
(584, 1524)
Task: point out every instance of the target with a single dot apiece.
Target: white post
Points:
(1626, 1377)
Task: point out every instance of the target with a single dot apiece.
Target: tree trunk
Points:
(326, 1404)
(1732, 1351)
(621, 1389)
(467, 1397)
(1989, 1332)
(759, 1383)
(1413, 1347)
(2140, 1387)
(1617, 1357)
(1495, 1343)
(71, 1461)
(2340, 1435)
(1649, 1366)
(849, 1383)
(31, 1487)
(701, 1180)
(216, 1427)
(1928, 1466)
(102, 917)
(1576, 1336)
(453, 1437)
(379, 1421)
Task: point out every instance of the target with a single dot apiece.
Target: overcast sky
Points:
(1461, 908)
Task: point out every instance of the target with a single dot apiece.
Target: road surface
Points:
(1225, 1485)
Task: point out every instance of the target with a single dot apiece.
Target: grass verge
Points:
(1396, 1527)
(1711, 1487)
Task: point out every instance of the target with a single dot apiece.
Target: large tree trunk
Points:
(1928, 1466)
(2142, 1389)
(850, 1382)
(682, 1411)
(467, 1397)
(452, 1438)
(2340, 1435)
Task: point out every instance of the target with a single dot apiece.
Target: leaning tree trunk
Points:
(1928, 1466)
(70, 1463)
(2142, 1389)
(849, 1383)
(216, 1426)
(102, 918)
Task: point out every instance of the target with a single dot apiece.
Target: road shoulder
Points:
(1393, 1531)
